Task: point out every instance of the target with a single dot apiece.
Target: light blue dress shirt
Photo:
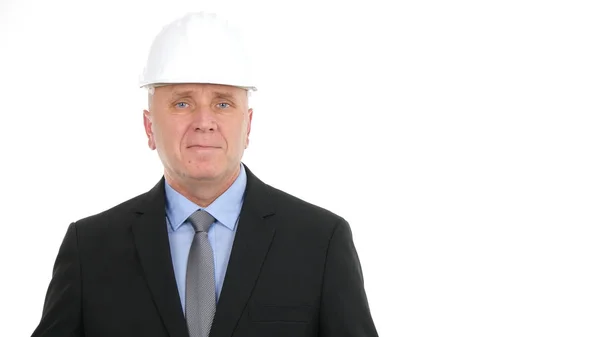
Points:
(225, 209)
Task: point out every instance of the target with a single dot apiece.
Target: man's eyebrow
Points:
(178, 94)
(222, 94)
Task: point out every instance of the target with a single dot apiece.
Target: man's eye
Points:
(223, 105)
(181, 105)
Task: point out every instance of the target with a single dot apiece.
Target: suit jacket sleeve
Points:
(344, 307)
(61, 315)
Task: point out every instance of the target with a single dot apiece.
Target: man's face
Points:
(199, 130)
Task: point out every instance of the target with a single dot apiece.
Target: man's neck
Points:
(202, 193)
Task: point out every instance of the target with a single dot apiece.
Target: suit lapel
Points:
(152, 244)
(252, 241)
(251, 244)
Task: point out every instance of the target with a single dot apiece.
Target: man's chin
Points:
(204, 176)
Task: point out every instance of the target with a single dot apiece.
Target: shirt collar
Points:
(225, 209)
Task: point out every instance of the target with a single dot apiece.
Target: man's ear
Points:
(250, 112)
(148, 128)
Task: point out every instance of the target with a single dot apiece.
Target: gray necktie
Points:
(200, 298)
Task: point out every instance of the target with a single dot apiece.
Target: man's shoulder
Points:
(115, 214)
(296, 216)
(288, 203)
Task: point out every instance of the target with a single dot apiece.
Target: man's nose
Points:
(204, 119)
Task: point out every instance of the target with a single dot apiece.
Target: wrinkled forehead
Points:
(196, 89)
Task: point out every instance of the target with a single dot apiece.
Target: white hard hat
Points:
(198, 48)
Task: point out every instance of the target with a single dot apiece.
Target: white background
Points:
(459, 138)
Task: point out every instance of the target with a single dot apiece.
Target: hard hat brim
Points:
(162, 84)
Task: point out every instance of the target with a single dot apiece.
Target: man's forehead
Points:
(197, 88)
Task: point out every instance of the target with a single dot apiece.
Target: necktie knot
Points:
(201, 220)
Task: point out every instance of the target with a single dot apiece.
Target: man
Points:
(211, 249)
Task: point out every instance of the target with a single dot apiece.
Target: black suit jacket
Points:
(293, 271)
